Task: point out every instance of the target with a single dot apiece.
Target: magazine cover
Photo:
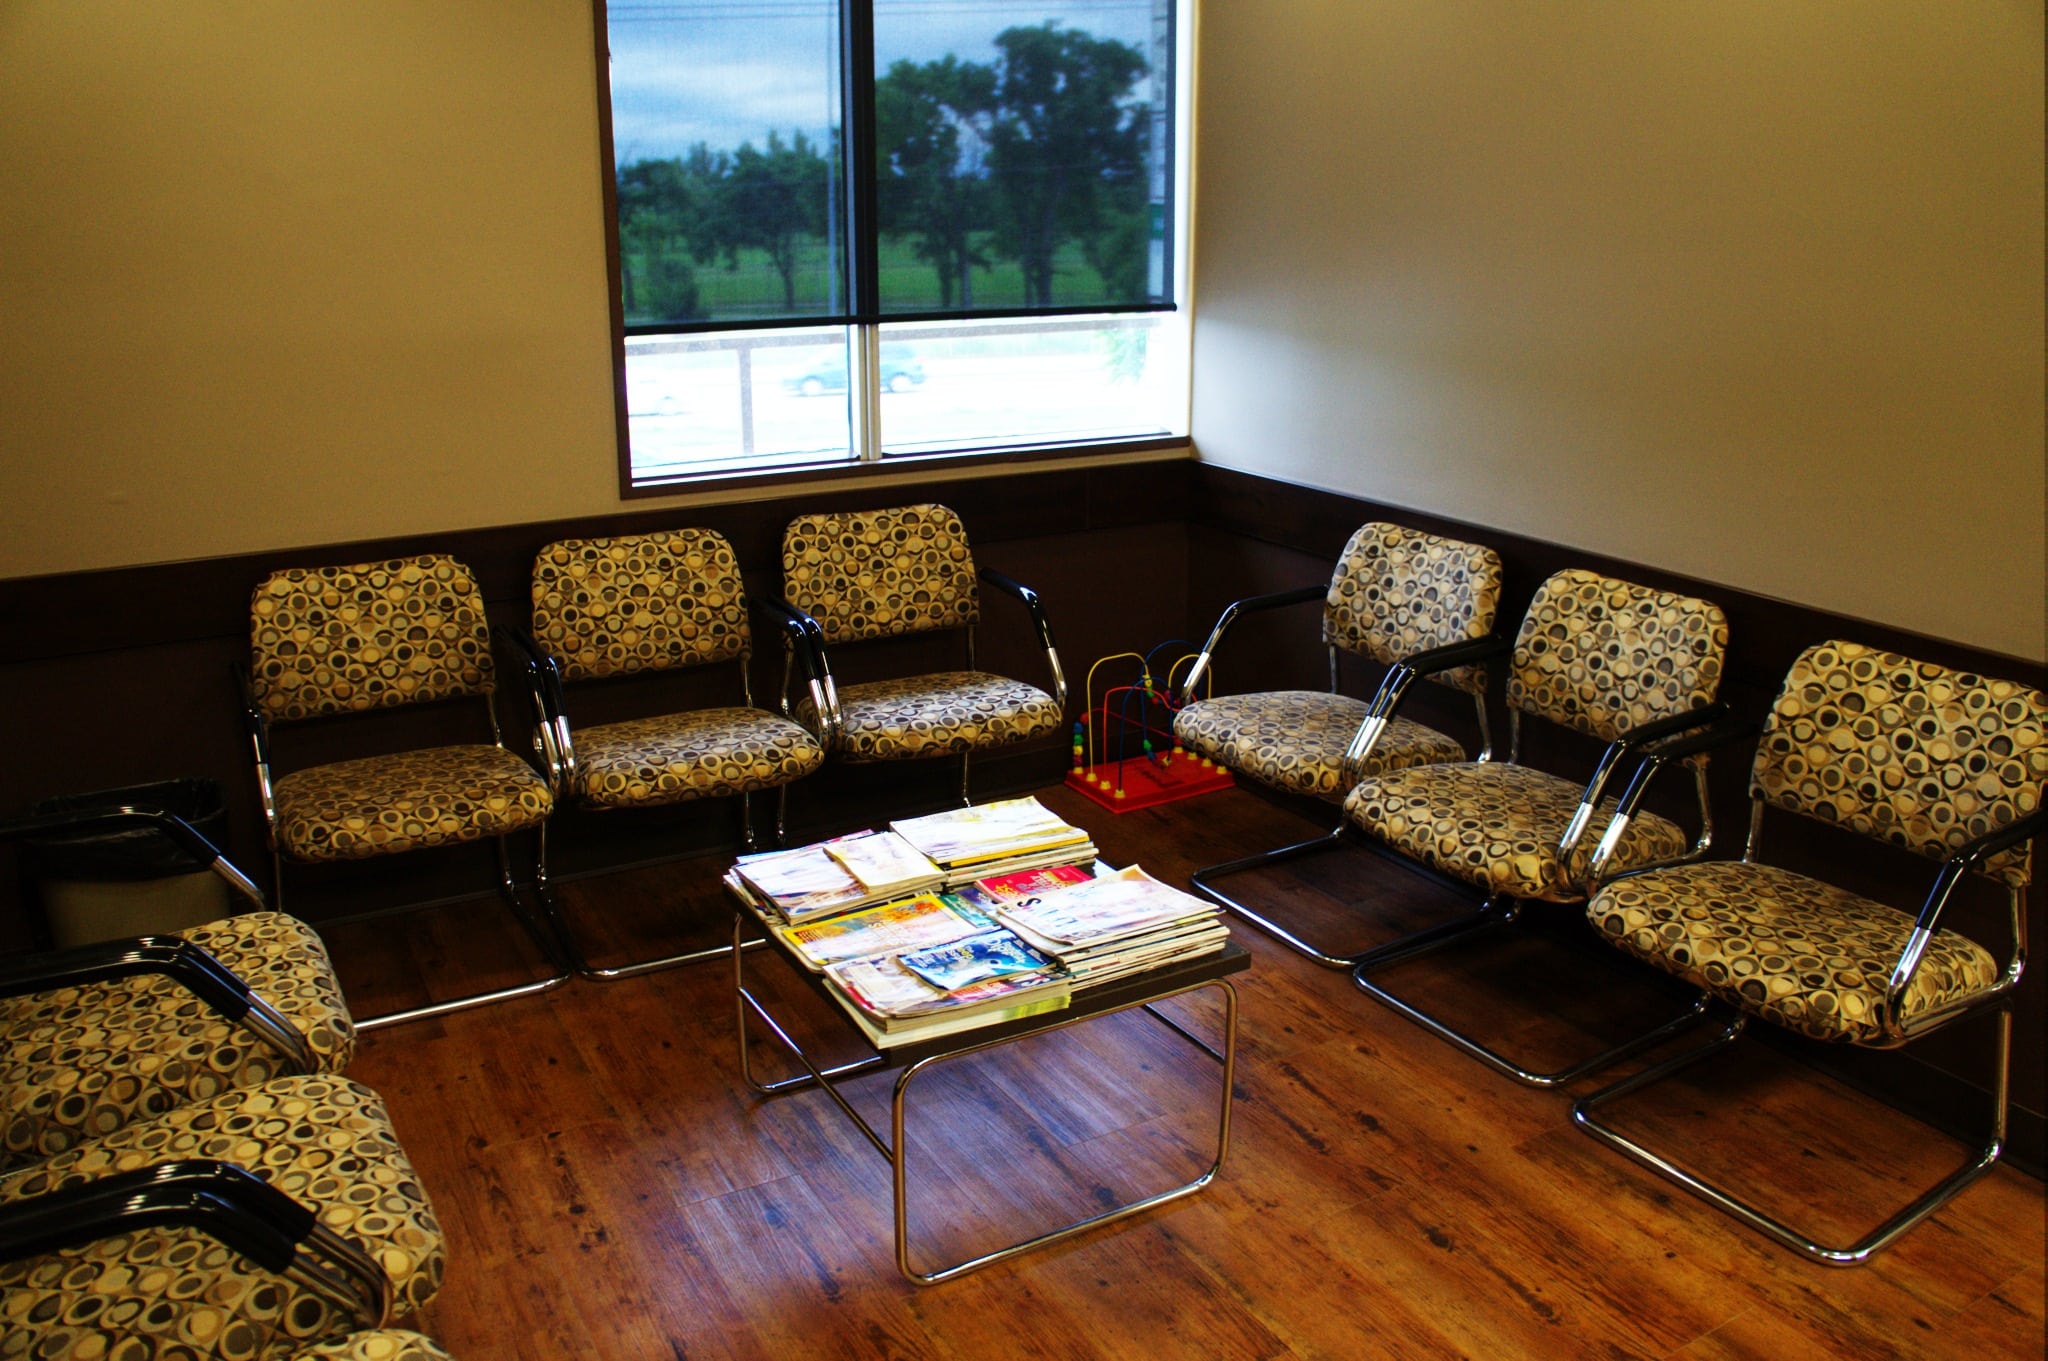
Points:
(959, 963)
(925, 920)
(1126, 902)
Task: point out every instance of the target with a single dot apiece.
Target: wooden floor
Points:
(609, 1188)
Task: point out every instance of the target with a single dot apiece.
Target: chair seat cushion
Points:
(949, 711)
(324, 1141)
(702, 754)
(1295, 739)
(1810, 956)
(1497, 825)
(384, 805)
(78, 1063)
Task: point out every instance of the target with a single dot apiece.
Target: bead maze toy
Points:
(1157, 772)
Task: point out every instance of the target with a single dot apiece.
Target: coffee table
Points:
(1138, 991)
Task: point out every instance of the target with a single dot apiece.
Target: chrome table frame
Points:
(1143, 990)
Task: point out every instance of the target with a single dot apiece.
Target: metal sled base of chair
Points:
(580, 963)
(558, 968)
(1203, 882)
(1855, 1254)
(1489, 917)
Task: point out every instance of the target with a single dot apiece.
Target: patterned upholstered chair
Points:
(331, 643)
(607, 609)
(1943, 763)
(891, 573)
(1410, 601)
(96, 1038)
(1615, 662)
(262, 1223)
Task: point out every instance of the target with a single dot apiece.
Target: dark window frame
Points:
(862, 263)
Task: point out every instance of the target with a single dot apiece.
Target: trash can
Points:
(112, 882)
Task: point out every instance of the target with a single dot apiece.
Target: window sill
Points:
(899, 466)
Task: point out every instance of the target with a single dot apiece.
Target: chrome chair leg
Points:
(1203, 883)
(965, 801)
(1856, 1253)
(551, 950)
(1497, 913)
(579, 962)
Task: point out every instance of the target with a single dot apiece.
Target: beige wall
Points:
(1747, 290)
(276, 274)
(291, 273)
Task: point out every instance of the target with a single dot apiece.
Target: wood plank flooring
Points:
(610, 1189)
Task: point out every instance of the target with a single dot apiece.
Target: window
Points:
(856, 230)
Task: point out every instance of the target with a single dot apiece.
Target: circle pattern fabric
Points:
(1812, 957)
(936, 715)
(706, 753)
(1497, 826)
(334, 640)
(1295, 739)
(386, 805)
(1907, 752)
(78, 1063)
(324, 1141)
(614, 607)
(1603, 656)
(1397, 592)
(386, 1344)
(880, 573)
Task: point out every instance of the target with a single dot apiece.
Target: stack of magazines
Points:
(834, 876)
(1114, 925)
(995, 838)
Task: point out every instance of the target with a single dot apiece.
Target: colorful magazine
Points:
(884, 862)
(973, 959)
(1004, 829)
(914, 923)
(1126, 903)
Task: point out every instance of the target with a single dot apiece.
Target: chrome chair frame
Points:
(825, 690)
(1895, 1034)
(555, 744)
(1394, 685)
(559, 969)
(1662, 737)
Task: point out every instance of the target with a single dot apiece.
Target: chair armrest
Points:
(188, 838)
(185, 962)
(548, 707)
(1399, 679)
(1960, 862)
(1657, 753)
(1610, 760)
(1236, 610)
(1451, 655)
(225, 1202)
(1011, 586)
(804, 639)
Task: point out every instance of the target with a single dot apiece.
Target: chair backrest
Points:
(645, 602)
(1906, 752)
(372, 635)
(880, 573)
(1603, 656)
(1398, 591)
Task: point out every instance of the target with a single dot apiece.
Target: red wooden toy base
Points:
(1145, 783)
